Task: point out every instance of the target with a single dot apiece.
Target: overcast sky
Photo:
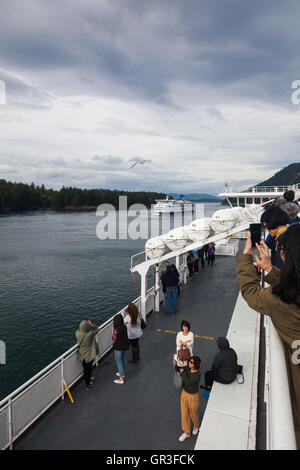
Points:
(201, 88)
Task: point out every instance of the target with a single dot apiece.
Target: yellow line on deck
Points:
(211, 338)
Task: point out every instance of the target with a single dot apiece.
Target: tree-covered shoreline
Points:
(22, 197)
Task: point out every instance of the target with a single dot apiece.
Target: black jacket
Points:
(163, 281)
(122, 342)
(171, 277)
(225, 363)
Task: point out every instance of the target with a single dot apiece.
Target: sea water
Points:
(55, 272)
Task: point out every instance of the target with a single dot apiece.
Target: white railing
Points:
(20, 409)
(280, 425)
(262, 189)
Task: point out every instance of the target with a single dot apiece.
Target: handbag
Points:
(177, 381)
(184, 354)
(143, 323)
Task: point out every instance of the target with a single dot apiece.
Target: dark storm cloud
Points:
(207, 63)
(140, 48)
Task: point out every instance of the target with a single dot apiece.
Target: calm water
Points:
(54, 273)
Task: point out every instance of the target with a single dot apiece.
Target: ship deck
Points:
(144, 413)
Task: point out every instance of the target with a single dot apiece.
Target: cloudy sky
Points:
(201, 88)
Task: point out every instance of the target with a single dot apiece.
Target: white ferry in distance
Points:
(172, 206)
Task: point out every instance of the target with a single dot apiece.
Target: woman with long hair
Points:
(281, 301)
(134, 331)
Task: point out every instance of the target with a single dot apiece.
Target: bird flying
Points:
(141, 162)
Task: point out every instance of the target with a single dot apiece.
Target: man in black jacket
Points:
(167, 263)
(171, 280)
(224, 368)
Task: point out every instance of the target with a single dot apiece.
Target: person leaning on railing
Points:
(281, 301)
(88, 349)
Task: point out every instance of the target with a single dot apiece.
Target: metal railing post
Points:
(156, 289)
(143, 295)
(62, 379)
(185, 266)
(10, 425)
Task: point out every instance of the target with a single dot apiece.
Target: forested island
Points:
(20, 197)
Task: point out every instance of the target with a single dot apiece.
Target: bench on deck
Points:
(229, 422)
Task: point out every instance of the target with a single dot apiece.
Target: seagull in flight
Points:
(141, 162)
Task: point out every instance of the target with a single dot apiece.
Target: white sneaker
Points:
(119, 381)
(195, 431)
(184, 436)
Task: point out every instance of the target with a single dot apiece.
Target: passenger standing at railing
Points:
(281, 301)
(201, 253)
(196, 262)
(87, 349)
(190, 262)
(164, 288)
(120, 345)
(167, 263)
(171, 280)
(133, 323)
(211, 254)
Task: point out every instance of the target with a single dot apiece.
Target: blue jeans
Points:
(172, 299)
(121, 363)
(165, 299)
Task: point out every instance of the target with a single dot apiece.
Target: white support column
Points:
(62, 378)
(143, 294)
(157, 288)
(177, 263)
(10, 425)
(185, 268)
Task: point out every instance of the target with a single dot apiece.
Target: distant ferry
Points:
(172, 206)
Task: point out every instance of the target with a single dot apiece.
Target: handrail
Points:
(13, 429)
(58, 360)
(280, 425)
(261, 189)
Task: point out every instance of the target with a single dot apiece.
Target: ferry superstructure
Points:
(172, 206)
(144, 413)
(256, 194)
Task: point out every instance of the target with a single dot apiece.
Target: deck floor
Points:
(144, 413)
